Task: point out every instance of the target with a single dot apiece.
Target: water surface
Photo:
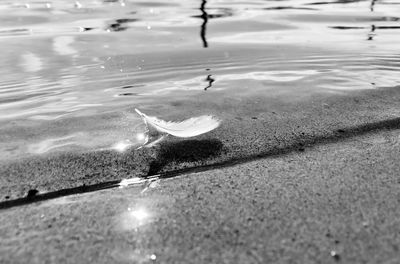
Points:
(72, 73)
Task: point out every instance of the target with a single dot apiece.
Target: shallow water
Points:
(72, 73)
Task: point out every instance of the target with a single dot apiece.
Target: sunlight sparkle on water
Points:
(122, 145)
(140, 136)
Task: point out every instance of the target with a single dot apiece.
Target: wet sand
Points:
(333, 202)
(289, 184)
(252, 128)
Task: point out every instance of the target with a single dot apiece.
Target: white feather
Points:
(188, 128)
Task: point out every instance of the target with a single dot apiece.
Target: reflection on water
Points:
(85, 140)
(66, 60)
(204, 16)
(62, 45)
(123, 145)
(210, 80)
(31, 62)
(54, 143)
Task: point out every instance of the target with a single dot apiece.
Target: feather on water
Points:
(188, 128)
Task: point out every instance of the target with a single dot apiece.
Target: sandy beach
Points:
(293, 184)
(335, 202)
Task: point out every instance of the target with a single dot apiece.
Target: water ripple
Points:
(68, 59)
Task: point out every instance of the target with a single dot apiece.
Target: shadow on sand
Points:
(184, 151)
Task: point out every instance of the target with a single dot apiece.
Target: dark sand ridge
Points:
(332, 203)
(252, 128)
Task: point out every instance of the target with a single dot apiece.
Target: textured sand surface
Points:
(332, 203)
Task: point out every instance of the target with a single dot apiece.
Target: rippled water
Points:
(73, 72)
